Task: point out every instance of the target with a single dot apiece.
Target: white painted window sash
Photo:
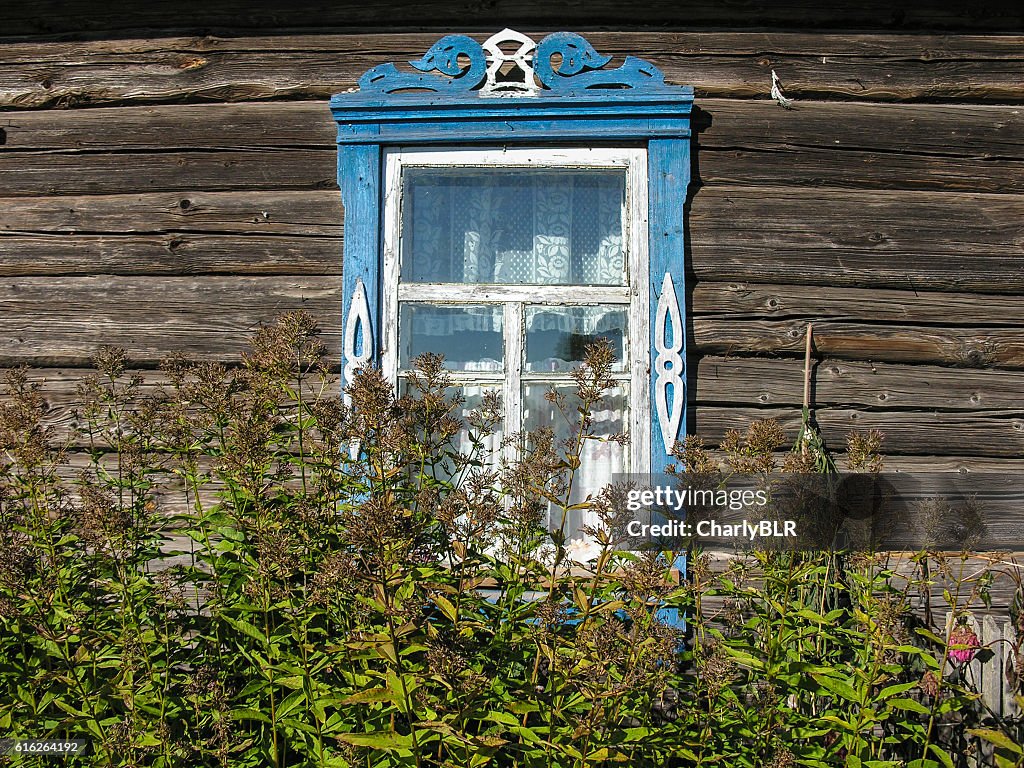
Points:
(493, 293)
(514, 297)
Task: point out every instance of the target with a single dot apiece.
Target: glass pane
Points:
(599, 460)
(557, 337)
(469, 337)
(550, 226)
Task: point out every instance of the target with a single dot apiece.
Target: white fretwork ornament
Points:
(358, 334)
(358, 346)
(517, 80)
(668, 364)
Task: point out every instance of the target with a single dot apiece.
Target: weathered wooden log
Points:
(932, 433)
(61, 321)
(723, 64)
(950, 345)
(764, 382)
(109, 173)
(778, 235)
(77, 16)
(737, 301)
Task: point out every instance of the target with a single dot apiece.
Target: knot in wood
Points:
(192, 62)
(974, 358)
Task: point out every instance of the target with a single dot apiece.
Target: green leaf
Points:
(64, 706)
(998, 738)
(370, 696)
(745, 659)
(942, 754)
(892, 690)
(446, 607)
(489, 742)
(386, 740)
(504, 718)
(387, 651)
(603, 755)
(908, 705)
(844, 724)
(839, 688)
(290, 703)
(249, 714)
(246, 628)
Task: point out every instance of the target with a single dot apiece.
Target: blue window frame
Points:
(510, 94)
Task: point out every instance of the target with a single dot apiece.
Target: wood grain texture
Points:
(277, 212)
(49, 173)
(171, 253)
(861, 146)
(723, 64)
(924, 433)
(275, 124)
(61, 321)
(737, 301)
(907, 240)
(277, 232)
(90, 305)
(948, 345)
(967, 130)
(76, 16)
(290, 145)
(777, 235)
(779, 382)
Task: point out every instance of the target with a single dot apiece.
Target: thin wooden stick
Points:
(807, 370)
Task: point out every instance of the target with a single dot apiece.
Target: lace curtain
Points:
(549, 227)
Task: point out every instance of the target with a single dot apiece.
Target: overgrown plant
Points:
(229, 567)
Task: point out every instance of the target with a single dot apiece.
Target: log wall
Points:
(167, 182)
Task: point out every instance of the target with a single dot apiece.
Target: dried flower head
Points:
(930, 684)
(753, 451)
(693, 457)
(336, 579)
(782, 758)
(715, 668)
(944, 524)
(290, 347)
(110, 361)
(862, 451)
(101, 521)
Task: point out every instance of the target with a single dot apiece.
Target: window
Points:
(507, 203)
(509, 262)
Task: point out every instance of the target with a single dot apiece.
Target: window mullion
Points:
(639, 317)
(513, 377)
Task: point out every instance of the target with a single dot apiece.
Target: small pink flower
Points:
(963, 644)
